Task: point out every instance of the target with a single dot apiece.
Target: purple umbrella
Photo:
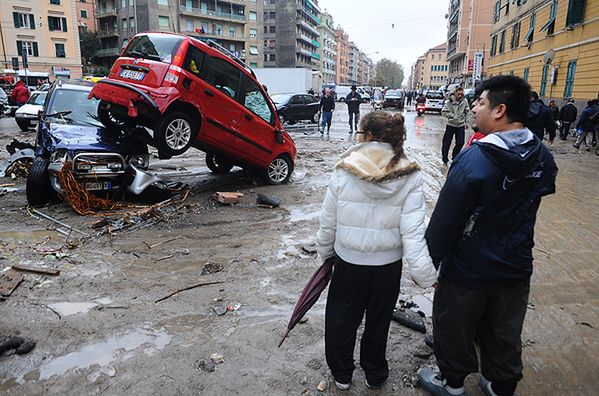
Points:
(310, 294)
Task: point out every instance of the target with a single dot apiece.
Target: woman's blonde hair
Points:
(388, 128)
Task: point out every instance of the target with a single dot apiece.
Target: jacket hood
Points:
(516, 152)
(535, 108)
(368, 162)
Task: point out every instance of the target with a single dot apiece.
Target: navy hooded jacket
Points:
(481, 232)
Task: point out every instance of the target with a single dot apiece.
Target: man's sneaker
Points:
(343, 386)
(432, 382)
(374, 387)
(485, 386)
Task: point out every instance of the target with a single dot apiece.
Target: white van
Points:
(343, 90)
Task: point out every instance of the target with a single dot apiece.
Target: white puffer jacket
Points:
(375, 216)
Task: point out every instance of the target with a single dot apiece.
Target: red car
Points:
(195, 93)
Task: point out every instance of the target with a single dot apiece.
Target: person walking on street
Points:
(481, 236)
(567, 115)
(371, 220)
(540, 119)
(20, 94)
(587, 124)
(409, 98)
(353, 100)
(327, 106)
(554, 109)
(457, 112)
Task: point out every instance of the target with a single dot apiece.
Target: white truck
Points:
(287, 80)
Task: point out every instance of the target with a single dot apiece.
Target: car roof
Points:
(73, 84)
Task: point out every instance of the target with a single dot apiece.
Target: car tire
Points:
(109, 120)
(38, 189)
(23, 124)
(279, 170)
(342, 100)
(218, 164)
(175, 133)
(316, 117)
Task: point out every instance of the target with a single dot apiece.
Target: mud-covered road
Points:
(99, 330)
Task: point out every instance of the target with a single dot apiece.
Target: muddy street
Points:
(100, 330)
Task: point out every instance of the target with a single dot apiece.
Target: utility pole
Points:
(3, 47)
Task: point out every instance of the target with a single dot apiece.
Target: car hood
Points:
(86, 138)
(29, 109)
(392, 96)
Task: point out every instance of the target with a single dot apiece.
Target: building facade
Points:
(435, 67)
(354, 63)
(46, 32)
(291, 37)
(551, 44)
(418, 74)
(327, 48)
(365, 68)
(86, 15)
(468, 29)
(342, 56)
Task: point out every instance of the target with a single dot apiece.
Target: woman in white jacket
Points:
(372, 218)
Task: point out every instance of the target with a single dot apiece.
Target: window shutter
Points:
(35, 51)
(31, 21)
(15, 17)
(64, 24)
(19, 48)
(50, 23)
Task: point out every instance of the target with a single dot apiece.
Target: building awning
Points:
(33, 74)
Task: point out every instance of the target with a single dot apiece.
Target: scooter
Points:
(377, 104)
(420, 107)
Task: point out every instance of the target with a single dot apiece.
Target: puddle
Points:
(300, 215)
(103, 300)
(71, 308)
(102, 354)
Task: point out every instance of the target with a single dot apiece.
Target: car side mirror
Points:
(279, 137)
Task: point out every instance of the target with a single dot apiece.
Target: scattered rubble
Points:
(20, 345)
(9, 280)
(217, 358)
(409, 319)
(267, 201)
(211, 268)
(322, 386)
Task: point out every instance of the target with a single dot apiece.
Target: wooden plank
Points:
(9, 281)
(37, 270)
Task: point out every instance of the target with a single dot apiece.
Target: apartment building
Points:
(468, 30)
(417, 77)
(354, 64)
(365, 69)
(553, 44)
(291, 35)
(45, 31)
(434, 72)
(234, 24)
(327, 48)
(342, 57)
(86, 15)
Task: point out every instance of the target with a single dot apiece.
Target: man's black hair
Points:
(511, 91)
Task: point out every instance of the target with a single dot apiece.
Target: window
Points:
(253, 16)
(163, 21)
(544, 80)
(497, 11)
(272, 29)
(163, 2)
(232, 31)
(271, 57)
(55, 2)
(272, 15)
(189, 25)
(84, 14)
(255, 101)
(60, 52)
(30, 48)
(253, 64)
(493, 51)
(570, 79)
(123, 3)
(502, 42)
(193, 60)
(57, 24)
(550, 25)
(253, 33)
(515, 35)
(223, 76)
(23, 21)
(218, 29)
(124, 24)
(575, 13)
(265, 29)
(531, 30)
(253, 50)
(525, 74)
(232, 48)
(507, 7)
(132, 23)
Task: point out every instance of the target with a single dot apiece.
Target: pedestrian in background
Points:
(353, 100)
(587, 124)
(457, 112)
(481, 236)
(554, 110)
(540, 120)
(327, 106)
(409, 98)
(20, 94)
(567, 115)
(371, 219)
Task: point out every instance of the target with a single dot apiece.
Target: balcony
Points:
(316, 43)
(310, 16)
(103, 33)
(305, 39)
(315, 56)
(106, 12)
(306, 26)
(190, 11)
(303, 52)
(108, 52)
(217, 37)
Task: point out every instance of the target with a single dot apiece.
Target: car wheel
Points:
(23, 124)
(316, 117)
(38, 189)
(218, 164)
(110, 120)
(281, 119)
(175, 133)
(342, 100)
(279, 170)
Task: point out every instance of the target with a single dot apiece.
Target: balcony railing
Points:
(101, 12)
(215, 14)
(305, 24)
(108, 52)
(107, 33)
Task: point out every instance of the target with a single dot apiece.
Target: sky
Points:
(400, 30)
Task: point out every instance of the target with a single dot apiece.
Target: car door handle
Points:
(208, 92)
(248, 117)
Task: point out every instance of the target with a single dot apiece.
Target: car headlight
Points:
(140, 160)
(59, 156)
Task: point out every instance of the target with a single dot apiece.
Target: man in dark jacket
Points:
(481, 236)
(353, 100)
(587, 124)
(327, 105)
(567, 115)
(540, 119)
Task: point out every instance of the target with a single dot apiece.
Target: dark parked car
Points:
(297, 107)
(394, 98)
(69, 131)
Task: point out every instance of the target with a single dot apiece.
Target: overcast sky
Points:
(400, 30)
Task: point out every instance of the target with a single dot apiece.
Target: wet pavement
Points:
(100, 331)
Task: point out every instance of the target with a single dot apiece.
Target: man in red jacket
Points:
(19, 94)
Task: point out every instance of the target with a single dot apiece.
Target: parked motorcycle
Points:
(420, 107)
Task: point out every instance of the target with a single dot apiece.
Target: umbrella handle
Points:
(284, 336)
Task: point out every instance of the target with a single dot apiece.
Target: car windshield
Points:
(281, 98)
(157, 47)
(434, 95)
(393, 92)
(81, 110)
(37, 99)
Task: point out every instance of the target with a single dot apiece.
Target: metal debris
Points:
(9, 280)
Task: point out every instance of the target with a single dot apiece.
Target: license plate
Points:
(96, 186)
(132, 74)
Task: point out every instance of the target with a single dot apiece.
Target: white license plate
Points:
(132, 74)
(97, 186)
